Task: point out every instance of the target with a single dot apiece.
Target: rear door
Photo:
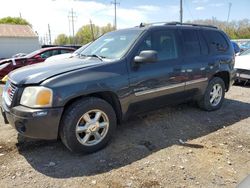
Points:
(196, 59)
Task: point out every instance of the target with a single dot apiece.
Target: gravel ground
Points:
(179, 146)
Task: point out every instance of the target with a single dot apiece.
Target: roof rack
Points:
(176, 23)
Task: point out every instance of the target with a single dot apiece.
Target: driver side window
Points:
(163, 42)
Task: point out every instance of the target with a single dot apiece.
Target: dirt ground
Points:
(179, 146)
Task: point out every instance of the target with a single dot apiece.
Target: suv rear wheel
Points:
(87, 125)
(214, 95)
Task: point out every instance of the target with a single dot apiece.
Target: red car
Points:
(8, 65)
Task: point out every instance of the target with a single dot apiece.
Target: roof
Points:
(22, 31)
(176, 24)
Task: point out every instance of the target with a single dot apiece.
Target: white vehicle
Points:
(67, 55)
(242, 65)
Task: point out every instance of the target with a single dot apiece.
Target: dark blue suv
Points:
(122, 73)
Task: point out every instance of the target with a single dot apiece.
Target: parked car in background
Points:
(236, 48)
(246, 52)
(242, 66)
(122, 73)
(8, 65)
(245, 46)
(67, 55)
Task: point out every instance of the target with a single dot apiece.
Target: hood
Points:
(37, 73)
(242, 62)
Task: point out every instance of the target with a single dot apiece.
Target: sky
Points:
(130, 13)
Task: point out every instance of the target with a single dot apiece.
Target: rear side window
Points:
(191, 43)
(203, 44)
(65, 51)
(217, 42)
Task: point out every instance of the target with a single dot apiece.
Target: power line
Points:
(115, 6)
(72, 17)
(92, 30)
(229, 11)
(50, 42)
(181, 11)
(187, 5)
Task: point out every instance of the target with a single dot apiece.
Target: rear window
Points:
(217, 42)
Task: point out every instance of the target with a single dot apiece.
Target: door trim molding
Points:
(159, 89)
(140, 93)
(196, 81)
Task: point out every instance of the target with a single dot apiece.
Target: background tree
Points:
(85, 34)
(107, 28)
(62, 39)
(14, 20)
(235, 29)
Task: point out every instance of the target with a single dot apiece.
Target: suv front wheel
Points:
(214, 95)
(87, 125)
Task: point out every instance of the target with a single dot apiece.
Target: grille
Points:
(11, 91)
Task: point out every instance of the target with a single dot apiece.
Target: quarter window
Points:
(217, 42)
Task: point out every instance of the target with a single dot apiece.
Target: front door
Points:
(155, 84)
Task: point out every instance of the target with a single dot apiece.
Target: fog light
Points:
(20, 127)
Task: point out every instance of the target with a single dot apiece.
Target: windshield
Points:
(32, 54)
(112, 45)
(78, 51)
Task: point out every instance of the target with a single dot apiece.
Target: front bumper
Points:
(33, 123)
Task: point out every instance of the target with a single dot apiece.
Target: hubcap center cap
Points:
(93, 127)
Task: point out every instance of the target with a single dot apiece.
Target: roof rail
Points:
(176, 23)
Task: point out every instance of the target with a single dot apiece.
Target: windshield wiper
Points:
(93, 55)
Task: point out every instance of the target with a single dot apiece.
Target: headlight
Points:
(36, 97)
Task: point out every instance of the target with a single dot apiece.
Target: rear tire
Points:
(87, 125)
(214, 95)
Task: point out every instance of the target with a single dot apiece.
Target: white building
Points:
(17, 39)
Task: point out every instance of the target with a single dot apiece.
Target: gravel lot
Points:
(179, 146)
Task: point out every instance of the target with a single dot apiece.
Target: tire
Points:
(205, 103)
(80, 132)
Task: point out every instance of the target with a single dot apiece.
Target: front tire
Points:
(87, 125)
(214, 95)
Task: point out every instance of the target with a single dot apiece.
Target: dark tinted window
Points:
(203, 44)
(49, 53)
(191, 43)
(164, 42)
(65, 51)
(217, 42)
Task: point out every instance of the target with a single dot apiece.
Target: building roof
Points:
(22, 31)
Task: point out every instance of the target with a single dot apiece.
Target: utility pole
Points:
(181, 11)
(229, 11)
(115, 5)
(72, 17)
(92, 30)
(50, 42)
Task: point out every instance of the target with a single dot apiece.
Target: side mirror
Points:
(146, 56)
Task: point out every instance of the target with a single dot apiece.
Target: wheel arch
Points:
(108, 96)
(224, 75)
